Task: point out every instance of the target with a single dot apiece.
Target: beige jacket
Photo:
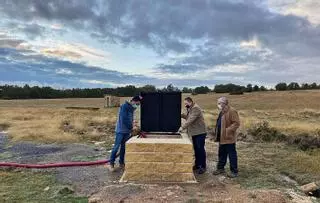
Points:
(194, 124)
(230, 122)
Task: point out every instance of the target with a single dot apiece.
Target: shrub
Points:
(236, 92)
(263, 132)
(4, 126)
(305, 141)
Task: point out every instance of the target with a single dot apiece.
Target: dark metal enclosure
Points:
(160, 111)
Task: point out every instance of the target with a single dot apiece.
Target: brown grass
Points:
(290, 112)
(49, 124)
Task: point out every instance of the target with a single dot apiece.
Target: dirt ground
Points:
(102, 186)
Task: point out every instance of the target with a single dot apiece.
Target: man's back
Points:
(125, 118)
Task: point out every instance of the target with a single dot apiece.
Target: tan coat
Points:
(194, 124)
(230, 122)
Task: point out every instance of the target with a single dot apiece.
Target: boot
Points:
(111, 167)
(122, 166)
(232, 175)
(201, 170)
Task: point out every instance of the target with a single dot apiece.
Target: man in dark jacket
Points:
(196, 128)
(226, 134)
(123, 129)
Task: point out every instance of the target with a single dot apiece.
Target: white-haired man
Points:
(226, 134)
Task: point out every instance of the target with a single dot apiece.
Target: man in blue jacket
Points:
(123, 129)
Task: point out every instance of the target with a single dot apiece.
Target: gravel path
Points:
(85, 180)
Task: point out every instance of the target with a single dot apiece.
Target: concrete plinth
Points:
(159, 158)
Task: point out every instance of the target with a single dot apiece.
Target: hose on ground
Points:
(62, 164)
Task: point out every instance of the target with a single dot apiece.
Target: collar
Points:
(226, 109)
(130, 105)
(192, 105)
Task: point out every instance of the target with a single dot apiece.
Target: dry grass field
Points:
(49, 121)
(292, 113)
(263, 165)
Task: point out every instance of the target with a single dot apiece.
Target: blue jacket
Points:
(125, 118)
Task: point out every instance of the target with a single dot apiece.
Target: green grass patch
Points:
(253, 178)
(33, 187)
(87, 158)
(303, 166)
(5, 155)
(261, 165)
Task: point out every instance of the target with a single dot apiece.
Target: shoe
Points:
(111, 167)
(232, 175)
(201, 171)
(122, 166)
(218, 172)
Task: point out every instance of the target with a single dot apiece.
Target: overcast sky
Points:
(106, 43)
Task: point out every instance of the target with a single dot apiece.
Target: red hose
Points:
(142, 135)
(61, 164)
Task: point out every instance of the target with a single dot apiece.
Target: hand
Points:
(135, 128)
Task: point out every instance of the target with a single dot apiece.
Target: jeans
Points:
(120, 142)
(226, 150)
(199, 150)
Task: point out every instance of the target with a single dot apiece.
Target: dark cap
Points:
(137, 98)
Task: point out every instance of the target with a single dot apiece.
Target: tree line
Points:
(36, 92)
(296, 86)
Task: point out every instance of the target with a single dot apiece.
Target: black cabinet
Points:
(160, 111)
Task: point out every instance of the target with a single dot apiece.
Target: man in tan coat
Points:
(196, 128)
(226, 134)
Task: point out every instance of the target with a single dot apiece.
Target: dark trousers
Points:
(226, 150)
(199, 150)
(120, 142)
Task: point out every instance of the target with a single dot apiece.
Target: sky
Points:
(110, 43)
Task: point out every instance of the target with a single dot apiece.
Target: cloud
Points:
(166, 26)
(33, 30)
(163, 25)
(31, 83)
(75, 74)
(64, 71)
(226, 39)
(74, 52)
(56, 26)
(61, 53)
(9, 42)
(177, 68)
(219, 58)
(307, 8)
(16, 66)
(253, 43)
(89, 51)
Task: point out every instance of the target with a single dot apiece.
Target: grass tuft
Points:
(31, 187)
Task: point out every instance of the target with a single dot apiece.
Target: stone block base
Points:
(159, 159)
